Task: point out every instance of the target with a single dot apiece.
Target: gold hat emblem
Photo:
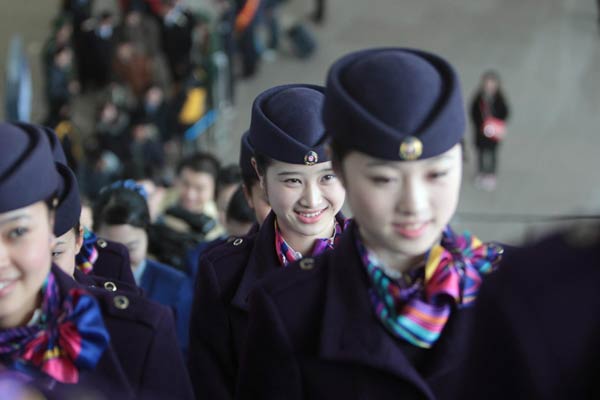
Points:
(311, 158)
(411, 148)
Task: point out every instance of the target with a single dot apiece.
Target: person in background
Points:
(121, 214)
(239, 218)
(489, 101)
(228, 180)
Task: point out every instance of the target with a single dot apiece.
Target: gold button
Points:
(238, 241)
(307, 263)
(411, 148)
(121, 302)
(110, 286)
(102, 243)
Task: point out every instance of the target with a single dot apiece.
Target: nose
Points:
(312, 196)
(413, 198)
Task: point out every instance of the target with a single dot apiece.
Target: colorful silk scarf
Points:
(87, 256)
(68, 337)
(417, 306)
(286, 254)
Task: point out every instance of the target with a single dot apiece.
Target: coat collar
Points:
(352, 333)
(262, 260)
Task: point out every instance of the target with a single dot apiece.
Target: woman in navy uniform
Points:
(53, 330)
(536, 326)
(384, 315)
(305, 195)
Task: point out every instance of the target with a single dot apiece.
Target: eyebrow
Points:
(14, 218)
(385, 163)
(288, 173)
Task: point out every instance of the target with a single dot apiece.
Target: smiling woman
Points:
(57, 335)
(296, 176)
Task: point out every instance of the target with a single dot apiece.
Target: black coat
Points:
(313, 334)
(226, 275)
(537, 326)
(497, 107)
(142, 360)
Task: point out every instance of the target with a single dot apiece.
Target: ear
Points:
(248, 196)
(78, 240)
(261, 179)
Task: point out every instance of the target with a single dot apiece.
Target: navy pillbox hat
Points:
(246, 154)
(393, 103)
(286, 124)
(27, 173)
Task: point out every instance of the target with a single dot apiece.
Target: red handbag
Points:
(494, 128)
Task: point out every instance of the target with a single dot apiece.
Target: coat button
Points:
(121, 302)
(307, 263)
(238, 241)
(102, 243)
(110, 286)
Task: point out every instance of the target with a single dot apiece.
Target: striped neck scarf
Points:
(87, 256)
(286, 254)
(417, 306)
(68, 336)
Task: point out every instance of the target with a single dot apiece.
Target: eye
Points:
(55, 254)
(381, 180)
(329, 177)
(17, 232)
(437, 174)
(293, 181)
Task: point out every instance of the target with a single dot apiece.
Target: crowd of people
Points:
(247, 281)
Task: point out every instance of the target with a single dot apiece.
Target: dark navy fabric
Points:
(171, 288)
(113, 262)
(226, 276)
(142, 360)
(313, 334)
(536, 323)
(375, 99)
(286, 123)
(68, 211)
(25, 176)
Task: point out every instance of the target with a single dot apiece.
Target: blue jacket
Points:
(171, 288)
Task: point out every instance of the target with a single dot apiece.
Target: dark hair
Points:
(201, 162)
(121, 206)
(229, 175)
(238, 208)
(262, 163)
(339, 151)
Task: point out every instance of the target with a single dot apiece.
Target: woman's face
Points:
(26, 242)
(401, 207)
(66, 248)
(305, 199)
(135, 239)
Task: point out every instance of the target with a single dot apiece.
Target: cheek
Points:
(369, 205)
(281, 198)
(335, 194)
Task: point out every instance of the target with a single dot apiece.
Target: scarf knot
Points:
(69, 336)
(417, 307)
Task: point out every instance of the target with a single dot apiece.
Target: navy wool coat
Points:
(113, 262)
(313, 334)
(226, 275)
(142, 360)
(537, 329)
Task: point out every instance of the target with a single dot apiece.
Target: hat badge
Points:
(311, 158)
(411, 148)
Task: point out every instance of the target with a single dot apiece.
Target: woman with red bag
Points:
(489, 112)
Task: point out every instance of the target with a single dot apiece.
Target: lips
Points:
(6, 285)
(310, 217)
(411, 230)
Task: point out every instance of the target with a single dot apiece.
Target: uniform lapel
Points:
(262, 260)
(350, 330)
